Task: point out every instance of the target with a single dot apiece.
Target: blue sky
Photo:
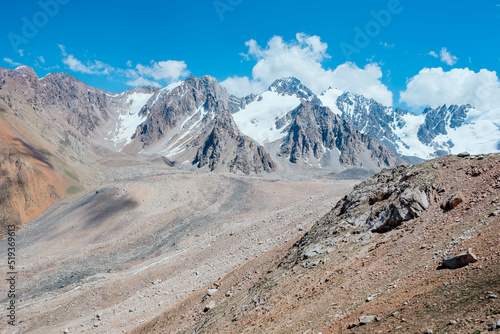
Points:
(408, 45)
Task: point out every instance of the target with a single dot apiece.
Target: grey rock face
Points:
(436, 121)
(195, 122)
(292, 86)
(58, 96)
(236, 104)
(314, 130)
(372, 118)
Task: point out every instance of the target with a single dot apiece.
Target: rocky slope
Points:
(316, 135)
(373, 264)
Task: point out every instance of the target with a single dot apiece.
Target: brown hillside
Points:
(378, 252)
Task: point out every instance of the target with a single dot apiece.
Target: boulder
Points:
(366, 319)
(463, 154)
(452, 202)
(460, 260)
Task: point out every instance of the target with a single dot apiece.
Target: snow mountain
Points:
(436, 132)
(290, 122)
(196, 124)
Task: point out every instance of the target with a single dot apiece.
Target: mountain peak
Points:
(292, 86)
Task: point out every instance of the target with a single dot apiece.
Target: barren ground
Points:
(110, 259)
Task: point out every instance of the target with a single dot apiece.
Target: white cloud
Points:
(95, 67)
(435, 87)
(11, 62)
(42, 60)
(365, 81)
(63, 49)
(243, 86)
(129, 63)
(302, 58)
(21, 52)
(142, 82)
(447, 57)
(170, 70)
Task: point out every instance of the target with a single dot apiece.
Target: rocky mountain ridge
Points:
(435, 132)
(193, 123)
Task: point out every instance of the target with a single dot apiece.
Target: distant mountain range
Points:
(436, 132)
(195, 123)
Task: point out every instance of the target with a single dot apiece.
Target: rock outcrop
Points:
(317, 134)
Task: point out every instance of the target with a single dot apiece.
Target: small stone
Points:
(428, 331)
(352, 325)
(492, 327)
(66, 331)
(463, 154)
(492, 296)
(211, 292)
(366, 319)
(452, 322)
(209, 306)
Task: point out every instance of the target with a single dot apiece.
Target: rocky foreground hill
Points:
(414, 249)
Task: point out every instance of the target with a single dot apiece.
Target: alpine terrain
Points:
(187, 209)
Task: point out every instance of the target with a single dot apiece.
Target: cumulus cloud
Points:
(364, 81)
(142, 82)
(170, 70)
(302, 58)
(11, 62)
(445, 56)
(435, 87)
